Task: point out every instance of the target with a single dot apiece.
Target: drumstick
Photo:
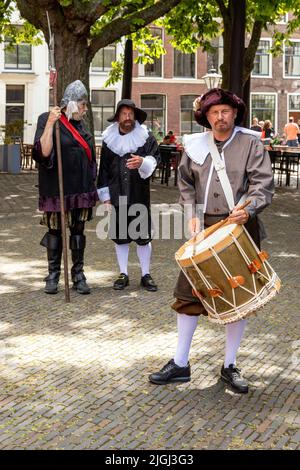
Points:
(216, 226)
(207, 232)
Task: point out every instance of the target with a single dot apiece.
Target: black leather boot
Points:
(53, 243)
(77, 245)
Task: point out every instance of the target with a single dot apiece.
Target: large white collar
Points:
(196, 146)
(127, 143)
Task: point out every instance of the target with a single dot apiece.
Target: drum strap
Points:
(220, 168)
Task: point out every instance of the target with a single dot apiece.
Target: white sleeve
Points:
(147, 167)
(103, 194)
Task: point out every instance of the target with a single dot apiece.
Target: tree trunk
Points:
(127, 72)
(72, 63)
(251, 49)
(246, 99)
(225, 68)
(238, 15)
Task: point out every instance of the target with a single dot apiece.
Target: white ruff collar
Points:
(127, 143)
(197, 148)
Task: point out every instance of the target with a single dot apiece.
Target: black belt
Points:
(216, 215)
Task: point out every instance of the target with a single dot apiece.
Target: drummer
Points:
(250, 176)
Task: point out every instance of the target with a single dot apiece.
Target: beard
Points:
(127, 126)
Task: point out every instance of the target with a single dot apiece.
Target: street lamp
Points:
(212, 79)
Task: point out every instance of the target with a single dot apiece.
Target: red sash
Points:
(76, 136)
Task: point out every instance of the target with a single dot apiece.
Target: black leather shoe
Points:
(121, 282)
(232, 376)
(81, 287)
(51, 286)
(148, 283)
(171, 373)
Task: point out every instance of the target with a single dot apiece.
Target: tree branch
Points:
(123, 26)
(92, 12)
(251, 49)
(223, 10)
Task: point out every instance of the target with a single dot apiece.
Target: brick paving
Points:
(74, 376)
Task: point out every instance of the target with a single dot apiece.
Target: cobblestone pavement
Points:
(74, 376)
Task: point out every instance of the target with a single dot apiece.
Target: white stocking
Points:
(144, 255)
(186, 325)
(234, 333)
(122, 257)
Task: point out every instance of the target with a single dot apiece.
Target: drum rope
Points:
(209, 286)
(229, 275)
(267, 265)
(248, 261)
(192, 284)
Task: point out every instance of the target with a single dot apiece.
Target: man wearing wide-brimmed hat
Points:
(128, 159)
(243, 171)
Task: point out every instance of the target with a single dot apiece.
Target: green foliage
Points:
(23, 33)
(116, 72)
(148, 47)
(124, 9)
(193, 24)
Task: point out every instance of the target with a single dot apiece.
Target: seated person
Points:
(166, 140)
(172, 137)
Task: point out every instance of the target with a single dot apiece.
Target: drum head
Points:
(201, 249)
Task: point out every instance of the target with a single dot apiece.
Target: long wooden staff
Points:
(53, 84)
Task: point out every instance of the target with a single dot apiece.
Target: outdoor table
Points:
(285, 160)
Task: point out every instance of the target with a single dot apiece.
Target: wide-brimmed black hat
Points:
(214, 97)
(139, 114)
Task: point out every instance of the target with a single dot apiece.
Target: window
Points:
(263, 106)
(155, 107)
(262, 60)
(188, 125)
(216, 56)
(155, 69)
(184, 64)
(103, 106)
(292, 59)
(283, 19)
(103, 59)
(17, 57)
(14, 112)
(294, 107)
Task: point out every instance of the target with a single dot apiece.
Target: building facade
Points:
(166, 89)
(25, 92)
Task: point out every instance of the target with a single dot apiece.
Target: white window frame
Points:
(220, 49)
(285, 21)
(141, 67)
(166, 105)
(288, 111)
(270, 62)
(180, 121)
(184, 78)
(8, 103)
(93, 107)
(276, 105)
(17, 69)
(283, 65)
(105, 71)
